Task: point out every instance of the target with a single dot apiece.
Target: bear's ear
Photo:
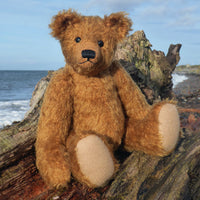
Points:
(61, 21)
(119, 24)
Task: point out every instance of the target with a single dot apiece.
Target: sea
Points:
(16, 88)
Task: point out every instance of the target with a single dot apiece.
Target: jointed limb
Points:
(53, 127)
(152, 129)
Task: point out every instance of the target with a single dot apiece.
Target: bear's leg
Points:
(53, 164)
(157, 133)
(92, 160)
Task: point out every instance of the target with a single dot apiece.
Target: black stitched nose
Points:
(88, 54)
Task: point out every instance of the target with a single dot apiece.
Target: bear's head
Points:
(89, 42)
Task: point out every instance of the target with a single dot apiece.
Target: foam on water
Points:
(16, 88)
(11, 111)
(177, 78)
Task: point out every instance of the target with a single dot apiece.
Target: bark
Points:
(174, 177)
(140, 177)
(150, 69)
(173, 56)
(19, 178)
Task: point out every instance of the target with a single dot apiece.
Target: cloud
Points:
(153, 11)
(195, 43)
(114, 5)
(183, 21)
(170, 13)
(186, 17)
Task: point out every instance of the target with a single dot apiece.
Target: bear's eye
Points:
(100, 43)
(78, 39)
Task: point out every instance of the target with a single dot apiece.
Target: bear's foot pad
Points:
(95, 160)
(169, 125)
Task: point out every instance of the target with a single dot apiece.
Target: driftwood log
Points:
(141, 176)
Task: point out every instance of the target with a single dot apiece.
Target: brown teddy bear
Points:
(92, 105)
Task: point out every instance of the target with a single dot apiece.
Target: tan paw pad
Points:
(169, 125)
(95, 160)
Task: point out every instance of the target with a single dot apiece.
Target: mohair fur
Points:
(95, 96)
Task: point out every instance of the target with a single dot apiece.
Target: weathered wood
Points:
(150, 69)
(151, 178)
(194, 110)
(18, 173)
(173, 56)
(19, 178)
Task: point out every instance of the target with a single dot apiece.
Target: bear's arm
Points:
(151, 129)
(134, 102)
(53, 129)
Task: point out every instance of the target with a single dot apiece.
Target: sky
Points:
(25, 42)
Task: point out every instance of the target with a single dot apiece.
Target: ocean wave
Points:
(11, 111)
(177, 78)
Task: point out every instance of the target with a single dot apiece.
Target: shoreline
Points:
(188, 86)
(188, 91)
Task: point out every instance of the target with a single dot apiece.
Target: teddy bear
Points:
(92, 106)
